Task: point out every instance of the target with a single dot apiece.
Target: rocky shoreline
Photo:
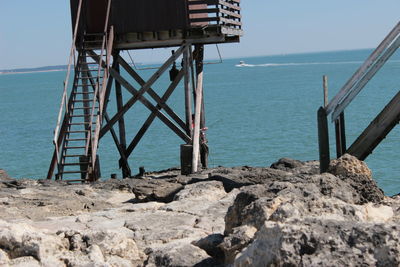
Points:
(284, 215)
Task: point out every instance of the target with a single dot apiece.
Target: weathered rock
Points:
(348, 166)
(179, 255)
(23, 262)
(285, 215)
(299, 197)
(286, 164)
(359, 176)
(244, 176)
(146, 190)
(235, 242)
(210, 244)
(323, 243)
(3, 258)
(113, 243)
(23, 240)
(210, 191)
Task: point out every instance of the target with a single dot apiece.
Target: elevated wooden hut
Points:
(103, 28)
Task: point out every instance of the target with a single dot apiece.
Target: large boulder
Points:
(323, 243)
(359, 176)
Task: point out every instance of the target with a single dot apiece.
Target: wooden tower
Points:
(101, 30)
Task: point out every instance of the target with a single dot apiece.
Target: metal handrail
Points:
(64, 96)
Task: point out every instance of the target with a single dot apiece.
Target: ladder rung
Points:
(84, 100)
(83, 131)
(87, 77)
(89, 70)
(93, 41)
(95, 34)
(84, 108)
(74, 147)
(83, 93)
(75, 164)
(82, 85)
(80, 116)
(93, 47)
(76, 139)
(73, 156)
(71, 172)
(80, 123)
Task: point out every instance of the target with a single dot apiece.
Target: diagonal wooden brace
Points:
(152, 116)
(151, 92)
(143, 90)
(136, 95)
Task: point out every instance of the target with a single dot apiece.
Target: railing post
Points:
(323, 140)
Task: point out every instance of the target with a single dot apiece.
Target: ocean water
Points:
(255, 113)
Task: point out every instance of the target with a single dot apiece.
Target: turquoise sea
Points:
(256, 114)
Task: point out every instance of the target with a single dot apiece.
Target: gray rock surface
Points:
(286, 215)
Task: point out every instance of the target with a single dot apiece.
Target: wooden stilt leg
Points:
(323, 140)
(188, 103)
(203, 138)
(121, 126)
(197, 118)
(340, 136)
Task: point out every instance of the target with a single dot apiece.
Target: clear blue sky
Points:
(37, 33)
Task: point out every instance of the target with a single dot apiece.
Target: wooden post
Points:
(197, 115)
(188, 103)
(340, 135)
(323, 140)
(203, 138)
(325, 85)
(121, 124)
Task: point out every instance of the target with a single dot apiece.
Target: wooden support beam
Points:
(187, 87)
(323, 140)
(126, 172)
(152, 93)
(377, 130)
(123, 162)
(340, 136)
(143, 90)
(141, 98)
(325, 86)
(152, 116)
(203, 137)
(197, 118)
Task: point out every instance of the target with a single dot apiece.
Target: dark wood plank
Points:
(124, 159)
(377, 130)
(323, 140)
(187, 83)
(340, 133)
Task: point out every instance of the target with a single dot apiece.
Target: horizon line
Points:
(38, 69)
